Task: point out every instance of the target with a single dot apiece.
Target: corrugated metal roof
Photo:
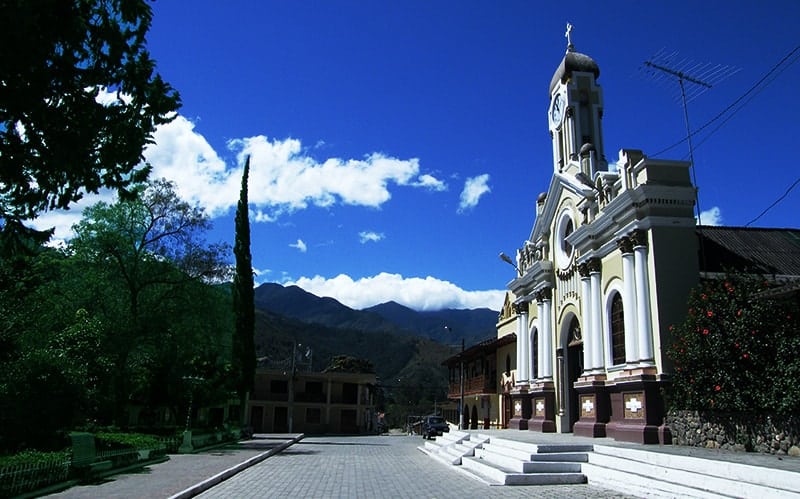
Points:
(766, 251)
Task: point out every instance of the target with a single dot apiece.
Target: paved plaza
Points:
(317, 467)
(372, 467)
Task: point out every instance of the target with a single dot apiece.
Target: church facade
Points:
(609, 261)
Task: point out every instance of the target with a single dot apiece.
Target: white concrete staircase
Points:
(499, 461)
(451, 447)
(656, 474)
(631, 470)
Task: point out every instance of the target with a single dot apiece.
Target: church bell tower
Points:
(575, 114)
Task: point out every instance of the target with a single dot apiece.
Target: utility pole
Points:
(461, 381)
(461, 406)
(291, 386)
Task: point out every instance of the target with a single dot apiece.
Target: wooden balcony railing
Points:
(472, 386)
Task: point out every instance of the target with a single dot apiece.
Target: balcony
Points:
(476, 385)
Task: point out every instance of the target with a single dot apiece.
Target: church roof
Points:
(574, 61)
(767, 251)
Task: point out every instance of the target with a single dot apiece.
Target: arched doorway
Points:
(574, 369)
(466, 417)
(474, 418)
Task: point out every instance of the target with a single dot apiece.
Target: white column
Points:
(541, 353)
(644, 336)
(596, 335)
(521, 376)
(629, 301)
(547, 337)
(526, 351)
(586, 320)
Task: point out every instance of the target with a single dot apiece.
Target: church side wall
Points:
(674, 272)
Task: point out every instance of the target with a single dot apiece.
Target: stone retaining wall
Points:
(766, 434)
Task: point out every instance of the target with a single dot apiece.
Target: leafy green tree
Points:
(151, 251)
(52, 384)
(79, 100)
(244, 349)
(737, 350)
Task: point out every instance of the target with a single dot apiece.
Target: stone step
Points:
(670, 475)
(533, 452)
(504, 461)
(494, 474)
(537, 448)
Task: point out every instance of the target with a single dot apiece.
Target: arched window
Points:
(617, 330)
(535, 353)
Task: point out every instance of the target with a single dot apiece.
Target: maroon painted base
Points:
(518, 424)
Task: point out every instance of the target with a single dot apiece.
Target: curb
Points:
(206, 484)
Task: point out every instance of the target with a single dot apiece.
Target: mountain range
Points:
(405, 346)
(447, 326)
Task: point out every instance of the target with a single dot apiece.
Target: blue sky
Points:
(398, 146)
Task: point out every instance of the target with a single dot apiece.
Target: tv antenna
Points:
(693, 79)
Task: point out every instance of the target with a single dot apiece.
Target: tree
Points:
(79, 101)
(737, 350)
(244, 348)
(151, 252)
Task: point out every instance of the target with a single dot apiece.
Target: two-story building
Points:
(312, 403)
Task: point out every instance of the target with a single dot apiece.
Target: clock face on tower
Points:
(557, 108)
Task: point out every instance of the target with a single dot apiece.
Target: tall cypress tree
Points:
(244, 350)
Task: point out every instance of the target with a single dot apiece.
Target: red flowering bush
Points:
(737, 350)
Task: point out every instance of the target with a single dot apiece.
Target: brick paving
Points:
(372, 467)
(162, 480)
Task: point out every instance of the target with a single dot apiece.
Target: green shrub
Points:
(126, 440)
(737, 350)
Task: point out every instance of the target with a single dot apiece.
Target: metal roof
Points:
(765, 251)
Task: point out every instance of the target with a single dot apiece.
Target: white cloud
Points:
(365, 237)
(711, 216)
(63, 220)
(300, 245)
(474, 188)
(283, 178)
(413, 292)
(430, 182)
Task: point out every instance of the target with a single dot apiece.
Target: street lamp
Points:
(509, 261)
(461, 380)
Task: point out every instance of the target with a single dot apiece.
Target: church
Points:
(609, 261)
(608, 265)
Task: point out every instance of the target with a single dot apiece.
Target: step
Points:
(637, 485)
(773, 478)
(665, 472)
(522, 466)
(537, 448)
(504, 476)
(453, 436)
(533, 452)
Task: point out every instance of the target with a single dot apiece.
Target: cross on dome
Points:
(568, 34)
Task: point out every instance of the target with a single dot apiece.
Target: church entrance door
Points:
(574, 370)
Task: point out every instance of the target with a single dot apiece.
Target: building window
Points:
(508, 364)
(349, 393)
(313, 415)
(617, 330)
(279, 386)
